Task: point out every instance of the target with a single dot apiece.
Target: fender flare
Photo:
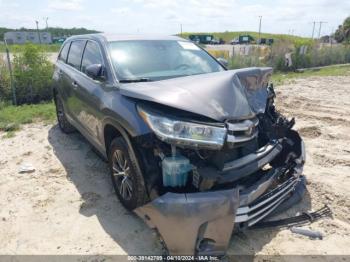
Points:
(132, 151)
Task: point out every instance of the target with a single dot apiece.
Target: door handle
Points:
(59, 73)
(74, 84)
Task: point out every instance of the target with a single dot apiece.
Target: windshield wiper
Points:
(134, 80)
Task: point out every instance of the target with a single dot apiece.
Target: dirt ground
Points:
(67, 206)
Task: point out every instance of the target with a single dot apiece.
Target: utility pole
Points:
(37, 29)
(13, 88)
(181, 30)
(260, 17)
(319, 30)
(313, 29)
(47, 25)
(331, 37)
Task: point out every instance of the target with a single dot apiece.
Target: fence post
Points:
(233, 53)
(13, 88)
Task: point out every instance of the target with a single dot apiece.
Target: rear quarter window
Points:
(64, 52)
(75, 53)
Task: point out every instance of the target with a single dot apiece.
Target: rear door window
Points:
(64, 52)
(92, 55)
(75, 53)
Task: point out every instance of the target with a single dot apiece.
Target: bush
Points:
(5, 89)
(277, 55)
(321, 56)
(32, 74)
(273, 56)
(256, 57)
(314, 56)
(219, 53)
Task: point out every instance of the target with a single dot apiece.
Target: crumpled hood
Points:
(233, 94)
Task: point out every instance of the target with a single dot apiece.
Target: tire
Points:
(63, 123)
(126, 179)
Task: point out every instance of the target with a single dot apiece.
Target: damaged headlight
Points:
(184, 133)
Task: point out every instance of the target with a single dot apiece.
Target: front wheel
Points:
(126, 179)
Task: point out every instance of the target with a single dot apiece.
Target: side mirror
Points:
(95, 71)
(222, 61)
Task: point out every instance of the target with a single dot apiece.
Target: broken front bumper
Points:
(202, 223)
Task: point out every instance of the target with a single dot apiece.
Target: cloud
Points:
(172, 16)
(218, 4)
(157, 3)
(165, 16)
(6, 4)
(120, 10)
(65, 5)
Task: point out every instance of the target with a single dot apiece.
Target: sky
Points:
(165, 16)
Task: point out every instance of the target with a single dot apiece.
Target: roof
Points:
(121, 37)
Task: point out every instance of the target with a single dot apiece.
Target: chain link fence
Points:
(32, 76)
(285, 55)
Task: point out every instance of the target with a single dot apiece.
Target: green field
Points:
(334, 70)
(45, 48)
(228, 36)
(12, 117)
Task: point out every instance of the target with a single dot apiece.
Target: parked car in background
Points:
(216, 41)
(265, 41)
(242, 39)
(202, 39)
(234, 41)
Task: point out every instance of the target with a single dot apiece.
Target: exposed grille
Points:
(265, 204)
(242, 131)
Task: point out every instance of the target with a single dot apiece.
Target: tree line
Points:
(342, 34)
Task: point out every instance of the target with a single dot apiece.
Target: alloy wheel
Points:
(121, 175)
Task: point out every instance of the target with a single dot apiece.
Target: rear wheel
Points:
(126, 179)
(63, 123)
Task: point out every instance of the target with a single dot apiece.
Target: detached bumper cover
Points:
(202, 223)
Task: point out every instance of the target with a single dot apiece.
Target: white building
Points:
(21, 37)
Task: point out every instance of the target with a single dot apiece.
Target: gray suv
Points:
(193, 148)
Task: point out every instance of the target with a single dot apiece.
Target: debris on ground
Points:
(312, 234)
(26, 168)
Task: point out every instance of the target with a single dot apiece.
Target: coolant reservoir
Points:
(175, 170)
